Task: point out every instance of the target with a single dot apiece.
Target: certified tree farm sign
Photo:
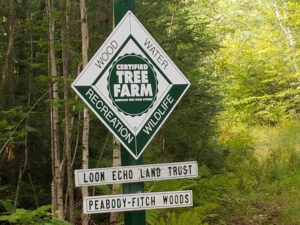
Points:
(131, 85)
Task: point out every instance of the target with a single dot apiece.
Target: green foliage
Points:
(40, 216)
(195, 215)
(189, 217)
(189, 44)
(8, 206)
(10, 125)
(258, 62)
(263, 171)
(259, 183)
(203, 210)
(152, 217)
(238, 119)
(105, 190)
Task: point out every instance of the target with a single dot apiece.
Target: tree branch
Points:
(21, 121)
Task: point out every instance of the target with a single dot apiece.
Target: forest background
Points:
(239, 119)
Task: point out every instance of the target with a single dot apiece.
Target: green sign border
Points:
(130, 37)
(154, 97)
(137, 144)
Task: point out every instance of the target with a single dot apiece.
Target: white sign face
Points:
(140, 173)
(137, 201)
(131, 85)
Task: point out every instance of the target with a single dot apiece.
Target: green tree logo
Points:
(132, 84)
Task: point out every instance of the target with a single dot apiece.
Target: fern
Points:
(189, 217)
(40, 216)
(152, 217)
(104, 189)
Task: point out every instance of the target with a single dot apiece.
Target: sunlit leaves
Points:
(257, 61)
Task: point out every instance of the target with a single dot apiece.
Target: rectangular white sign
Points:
(140, 173)
(137, 201)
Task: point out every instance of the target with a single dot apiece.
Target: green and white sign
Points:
(131, 85)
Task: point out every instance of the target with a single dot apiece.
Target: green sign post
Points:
(136, 217)
(132, 86)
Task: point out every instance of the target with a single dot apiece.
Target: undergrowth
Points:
(259, 184)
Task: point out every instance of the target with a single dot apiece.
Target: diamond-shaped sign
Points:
(131, 85)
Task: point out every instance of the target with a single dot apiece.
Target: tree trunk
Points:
(7, 69)
(86, 120)
(172, 19)
(55, 119)
(115, 217)
(23, 165)
(53, 183)
(65, 7)
(287, 31)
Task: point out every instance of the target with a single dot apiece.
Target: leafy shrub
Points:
(40, 216)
